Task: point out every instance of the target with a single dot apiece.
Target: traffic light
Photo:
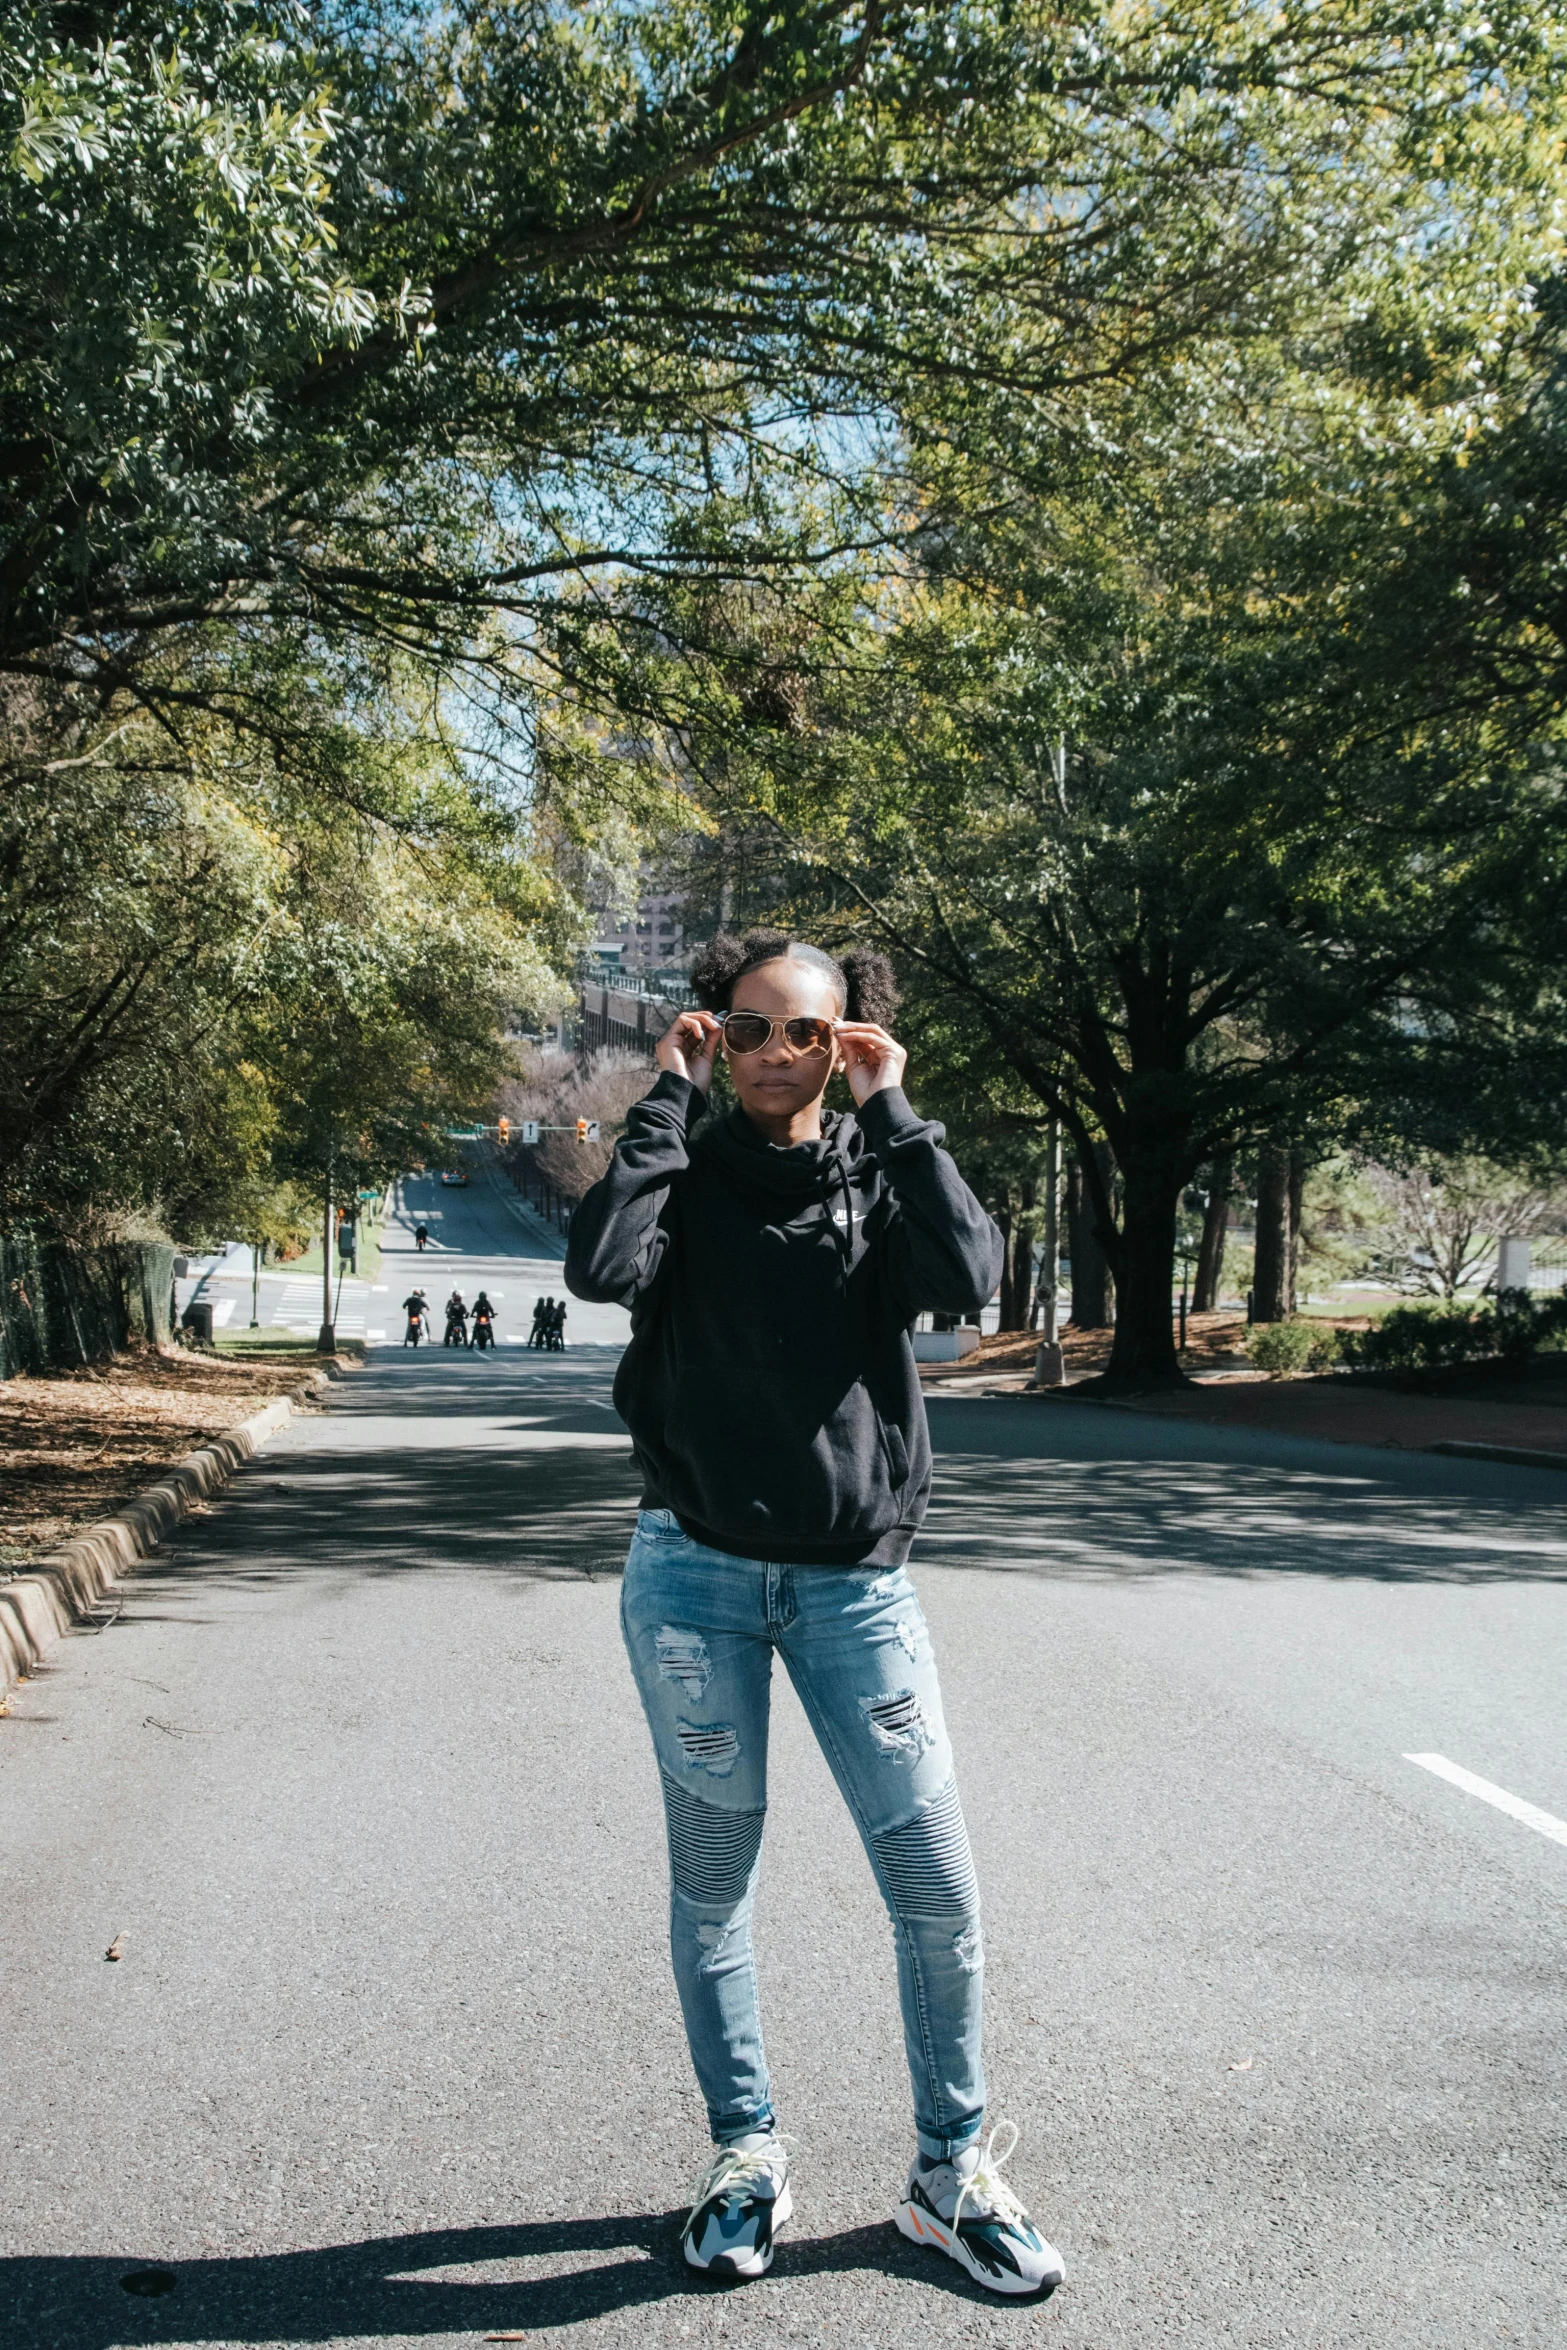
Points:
(582, 1130)
(503, 1131)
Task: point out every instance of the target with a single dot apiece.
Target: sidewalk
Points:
(1224, 1394)
(1337, 1413)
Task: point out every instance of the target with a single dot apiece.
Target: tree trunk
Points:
(1044, 1308)
(1022, 1254)
(326, 1341)
(1271, 1268)
(1210, 1249)
(1297, 1204)
(1144, 1351)
(1090, 1267)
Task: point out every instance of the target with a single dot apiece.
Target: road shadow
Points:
(471, 1461)
(560, 1512)
(537, 2276)
(1109, 1520)
(520, 1467)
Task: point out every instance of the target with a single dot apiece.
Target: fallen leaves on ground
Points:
(76, 1447)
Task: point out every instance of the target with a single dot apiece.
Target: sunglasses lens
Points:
(746, 1032)
(807, 1036)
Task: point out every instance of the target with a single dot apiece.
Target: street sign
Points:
(530, 1130)
(593, 1130)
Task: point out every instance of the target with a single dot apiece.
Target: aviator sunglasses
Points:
(749, 1032)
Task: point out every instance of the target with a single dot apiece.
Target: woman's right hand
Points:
(689, 1046)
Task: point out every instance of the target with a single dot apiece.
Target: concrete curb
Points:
(67, 1584)
(1518, 1456)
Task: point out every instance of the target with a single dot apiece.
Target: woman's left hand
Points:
(873, 1061)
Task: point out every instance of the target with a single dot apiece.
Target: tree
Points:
(1092, 1287)
(502, 363)
(1087, 781)
(558, 1090)
(1270, 1277)
(210, 987)
(371, 324)
(1437, 1227)
(1209, 1272)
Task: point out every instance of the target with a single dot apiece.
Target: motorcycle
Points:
(483, 1330)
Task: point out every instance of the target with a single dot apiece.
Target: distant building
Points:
(651, 938)
(632, 981)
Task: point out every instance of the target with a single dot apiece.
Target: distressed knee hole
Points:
(712, 1852)
(968, 1949)
(683, 1659)
(897, 1724)
(709, 1746)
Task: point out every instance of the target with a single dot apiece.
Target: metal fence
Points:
(627, 1011)
(63, 1306)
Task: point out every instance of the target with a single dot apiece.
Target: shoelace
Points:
(730, 2170)
(986, 2180)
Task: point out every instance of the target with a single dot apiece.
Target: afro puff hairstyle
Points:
(866, 987)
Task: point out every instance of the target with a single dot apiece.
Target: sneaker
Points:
(742, 2199)
(967, 2210)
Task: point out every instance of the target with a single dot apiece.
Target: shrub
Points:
(1326, 1350)
(1550, 1323)
(1434, 1338)
(1423, 1338)
(1277, 1347)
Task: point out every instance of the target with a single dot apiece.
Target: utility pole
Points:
(326, 1343)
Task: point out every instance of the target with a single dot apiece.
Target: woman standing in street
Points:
(773, 1259)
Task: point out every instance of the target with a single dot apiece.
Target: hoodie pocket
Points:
(897, 1455)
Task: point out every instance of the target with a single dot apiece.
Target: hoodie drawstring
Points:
(838, 1158)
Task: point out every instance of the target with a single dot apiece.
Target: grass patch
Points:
(285, 1345)
(302, 1268)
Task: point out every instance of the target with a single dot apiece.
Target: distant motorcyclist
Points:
(456, 1321)
(543, 1308)
(421, 1236)
(417, 1307)
(556, 1338)
(483, 1321)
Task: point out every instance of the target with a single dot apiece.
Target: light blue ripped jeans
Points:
(701, 1627)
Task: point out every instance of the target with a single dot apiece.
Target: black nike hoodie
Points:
(769, 1385)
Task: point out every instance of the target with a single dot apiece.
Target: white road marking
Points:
(1514, 1805)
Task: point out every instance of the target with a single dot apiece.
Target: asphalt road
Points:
(391, 2056)
(481, 1235)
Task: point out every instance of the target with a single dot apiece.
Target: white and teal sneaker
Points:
(742, 2200)
(967, 2210)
